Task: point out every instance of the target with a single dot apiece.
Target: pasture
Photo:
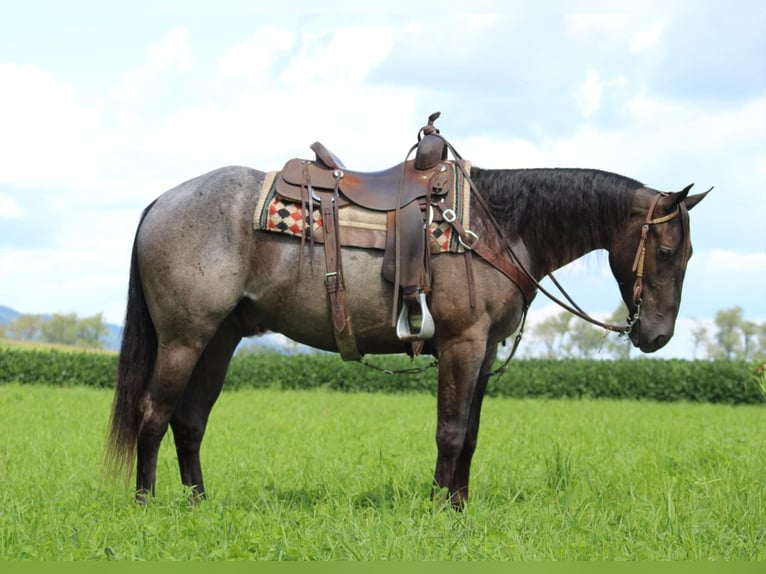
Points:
(307, 475)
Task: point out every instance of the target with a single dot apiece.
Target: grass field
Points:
(322, 475)
(46, 346)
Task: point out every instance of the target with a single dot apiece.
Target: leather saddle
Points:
(405, 193)
(383, 190)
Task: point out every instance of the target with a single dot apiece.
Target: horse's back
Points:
(211, 197)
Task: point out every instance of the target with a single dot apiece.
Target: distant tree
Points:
(563, 335)
(60, 328)
(617, 345)
(90, 331)
(731, 338)
(728, 338)
(26, 327)
(749, 339)
(586, 340)
(700, 339)
(761, 352)
(553, 332)
(2, 332)
(66, 329)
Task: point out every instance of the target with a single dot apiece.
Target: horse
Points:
(201, 279)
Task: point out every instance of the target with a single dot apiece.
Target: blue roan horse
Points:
(202, 278)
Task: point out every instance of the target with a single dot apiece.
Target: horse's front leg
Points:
(460, 362)
(463, 469)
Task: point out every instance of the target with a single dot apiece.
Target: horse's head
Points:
(648, 259)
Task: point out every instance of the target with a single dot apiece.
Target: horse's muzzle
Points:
(650, 338)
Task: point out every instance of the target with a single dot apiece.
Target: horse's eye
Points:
(664, 253)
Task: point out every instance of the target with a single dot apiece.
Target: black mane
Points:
(560, 214)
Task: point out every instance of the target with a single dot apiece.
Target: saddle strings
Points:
(307, 207)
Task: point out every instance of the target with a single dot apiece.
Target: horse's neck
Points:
(559, 215)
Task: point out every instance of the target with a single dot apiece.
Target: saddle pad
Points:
(358, 227)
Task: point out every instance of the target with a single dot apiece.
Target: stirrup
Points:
(404, 326)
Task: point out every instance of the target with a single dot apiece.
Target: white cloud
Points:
(252, 58)
(588, 26)
(590, 92)
(170, 56)
(588, 95)
(719, 279)
(9, 208)
(727, 263)
(332, 61)
(645, 39)
(86, 272)
(255, 130)
(666, 143)
(174, 52)
(48, 136)
(85, 281)
(321, 94)
(630, 30)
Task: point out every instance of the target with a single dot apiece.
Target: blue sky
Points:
(103, 106)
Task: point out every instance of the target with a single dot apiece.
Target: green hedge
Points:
(59, 368)
(730, 382)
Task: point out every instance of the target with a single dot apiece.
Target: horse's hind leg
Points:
(189, 419)
(173, 366)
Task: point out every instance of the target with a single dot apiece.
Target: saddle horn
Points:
(431, 146)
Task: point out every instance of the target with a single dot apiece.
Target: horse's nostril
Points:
(659, 341)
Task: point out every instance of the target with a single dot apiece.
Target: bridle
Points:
(638, 260)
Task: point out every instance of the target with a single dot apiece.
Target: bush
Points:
(729, 382)
(59, 368)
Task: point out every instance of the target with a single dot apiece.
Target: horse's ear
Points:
(669, 203)
(679, 196)
(692, 200)
(683, 196)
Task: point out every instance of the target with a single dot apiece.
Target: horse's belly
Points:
(297, 305)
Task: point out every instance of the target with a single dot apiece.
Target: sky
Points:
(105, 105)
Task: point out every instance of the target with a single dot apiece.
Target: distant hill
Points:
(111, 341)
(7, 315)
(113, 338)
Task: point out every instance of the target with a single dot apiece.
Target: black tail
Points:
(138, 353)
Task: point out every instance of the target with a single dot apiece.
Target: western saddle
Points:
(405, 192)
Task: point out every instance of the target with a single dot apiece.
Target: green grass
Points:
(323, 475)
